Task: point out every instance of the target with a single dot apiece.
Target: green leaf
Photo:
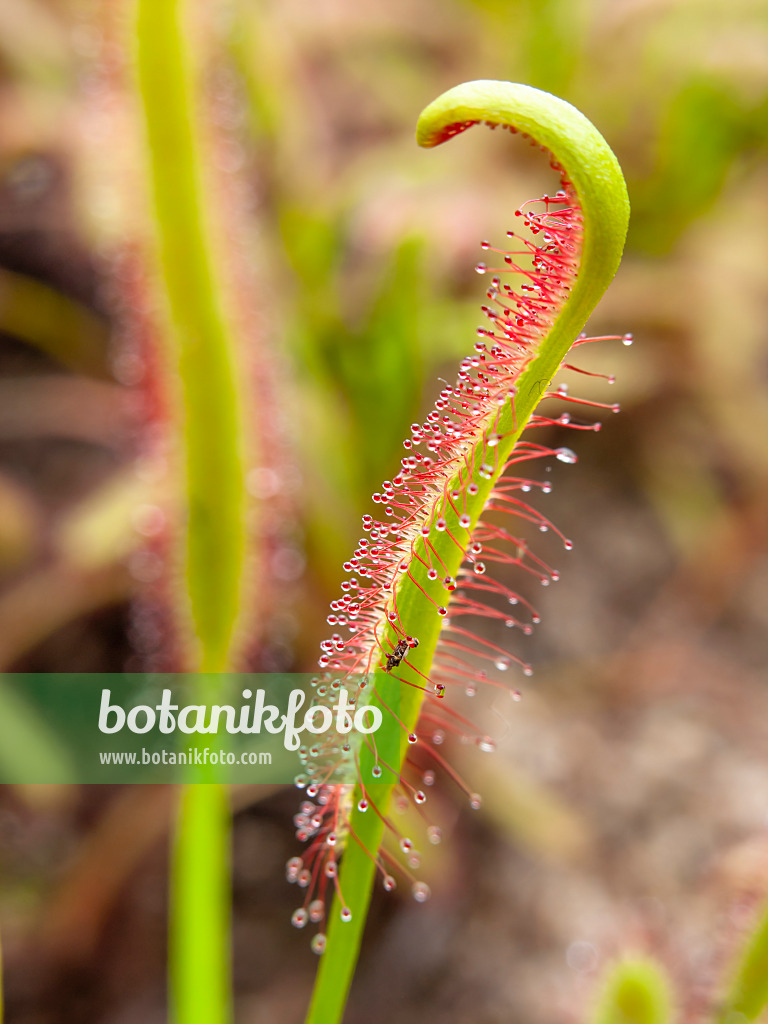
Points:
(200, 919)
(592, 170)
(635, 992)
(199, 358)
(747, 995)
(204, 389)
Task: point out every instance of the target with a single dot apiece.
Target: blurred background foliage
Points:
(627, 805)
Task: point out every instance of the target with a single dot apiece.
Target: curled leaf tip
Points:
(578, 150)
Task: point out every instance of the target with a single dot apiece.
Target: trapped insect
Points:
(400, 651)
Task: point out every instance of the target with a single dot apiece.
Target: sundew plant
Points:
(449, 540)
(424, 571)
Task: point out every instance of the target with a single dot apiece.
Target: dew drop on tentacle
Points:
(292, 868)
(434, 835)
(318, 943)
(316, 911)
(421, 892)
(299, 918)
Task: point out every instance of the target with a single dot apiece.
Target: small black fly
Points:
(400, 651)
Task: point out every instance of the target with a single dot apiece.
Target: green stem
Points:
(200, 355)
(593, 171)
(199, 942)
(201, 349)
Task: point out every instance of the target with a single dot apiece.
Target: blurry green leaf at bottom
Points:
(748, 994)
(635, 992)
